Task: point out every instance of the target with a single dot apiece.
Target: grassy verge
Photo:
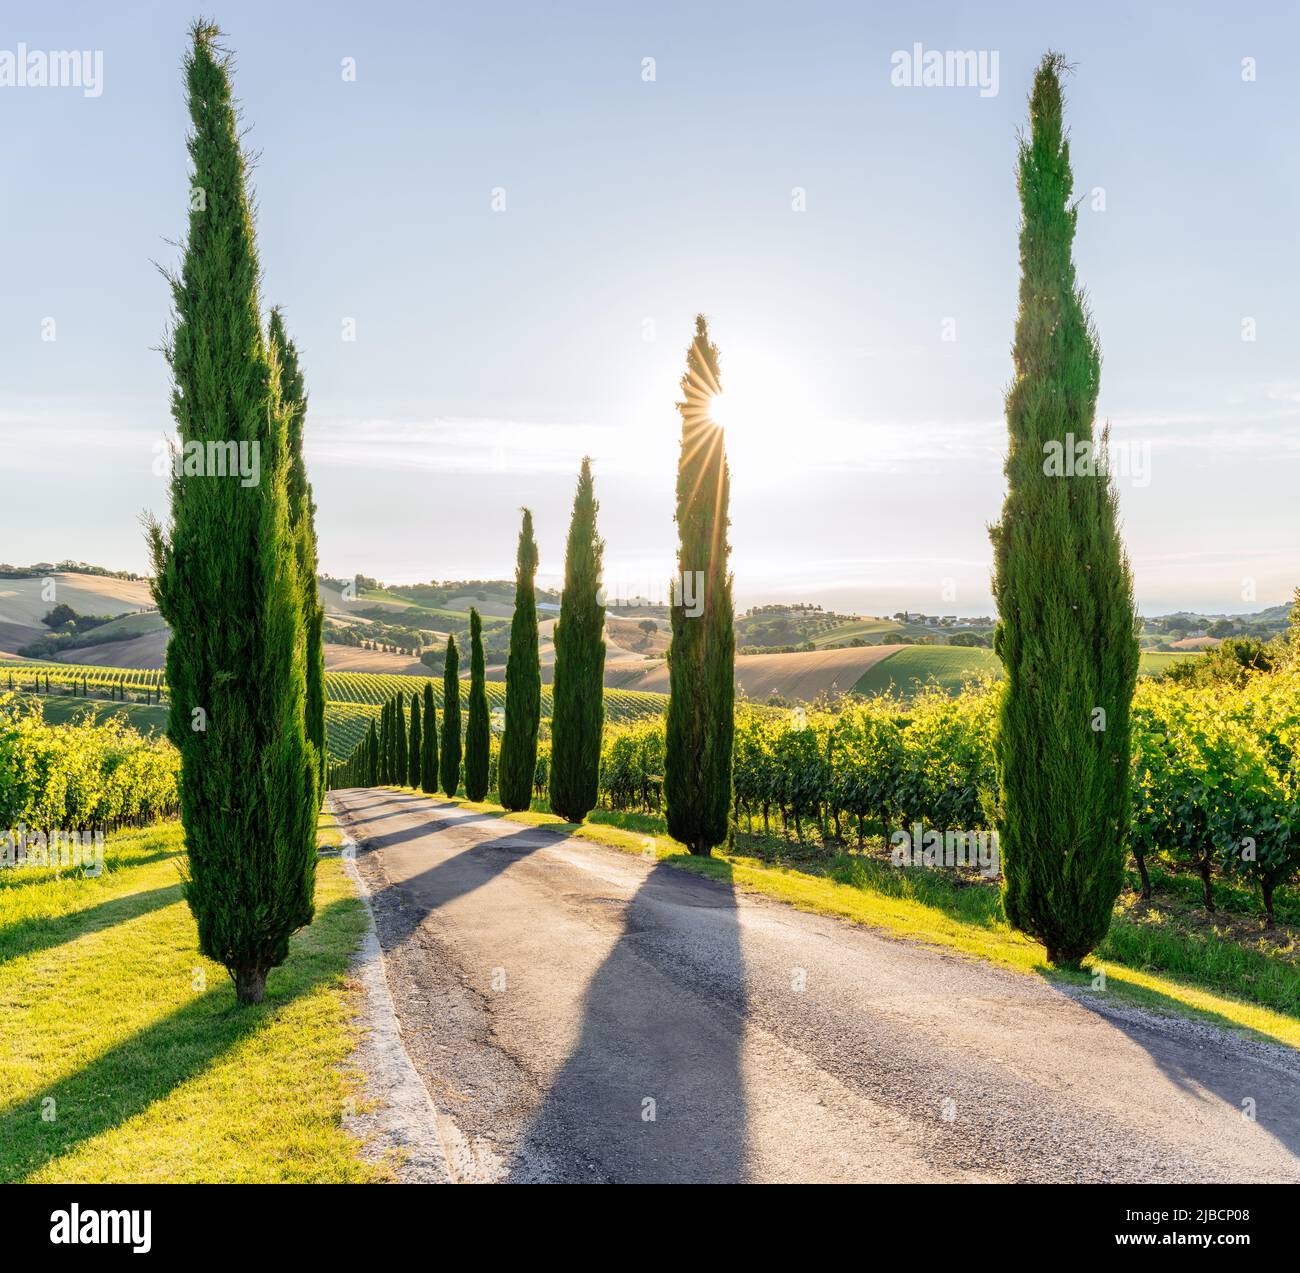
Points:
(1156, 955)
(126, 1055)
(58, 709)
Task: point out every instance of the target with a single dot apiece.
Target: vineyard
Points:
(81, 776)
(1215, 769)
(99, 682)
(1216, 777)
(352, 699)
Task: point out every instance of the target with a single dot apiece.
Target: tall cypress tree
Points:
(518, 762)
(399, 741)
(385, 745)
(429, 752)
(578, 694)
(1066, 617)
(226, 577)
(478, 730)
(372, 755)
(414, 744)
(302, 527)
(701, 658)
(449, 752)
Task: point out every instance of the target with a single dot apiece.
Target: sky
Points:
(517, 216)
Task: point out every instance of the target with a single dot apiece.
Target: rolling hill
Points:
(25, 602)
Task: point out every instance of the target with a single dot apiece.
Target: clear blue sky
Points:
(493, 348)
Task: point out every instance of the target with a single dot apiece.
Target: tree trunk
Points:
(250, 984)
(1142, 871)
(1204, 867)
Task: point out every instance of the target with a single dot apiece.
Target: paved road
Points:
(580, 1014)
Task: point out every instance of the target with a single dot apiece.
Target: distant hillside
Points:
(25, 601)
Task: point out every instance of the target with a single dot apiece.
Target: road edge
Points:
(404, 1121)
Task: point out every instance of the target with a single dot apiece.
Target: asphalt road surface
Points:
(580, 1014)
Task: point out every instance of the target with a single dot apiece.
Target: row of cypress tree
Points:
(1066, 633)
(578, 694)
(697, 779)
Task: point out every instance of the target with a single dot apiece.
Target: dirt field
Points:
(348, 658)
(139, 652)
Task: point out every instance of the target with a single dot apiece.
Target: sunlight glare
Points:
(722, 411)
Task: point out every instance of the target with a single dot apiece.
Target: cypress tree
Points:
(383, 743)
(1066, 617)
(518, 761)
(414, 745)
(302, 527)
(372, 756)
(226, 579)
(429, 752)
(478, 730)
(701, 658)
(578, 694)
(449, 758)
(399, 741)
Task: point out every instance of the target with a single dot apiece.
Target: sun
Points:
(722, 410)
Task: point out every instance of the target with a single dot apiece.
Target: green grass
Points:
(949, 665)
(1152, 959)
(409, 607)
(876, 631)
(952, 665)
(58, 709)
(127, 626)
(126, 1055)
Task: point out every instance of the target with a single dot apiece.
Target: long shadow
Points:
(401, 906)
(1196, 1069)
(389, 838)
(146, 1067)
(27, 936)
(653, 1090)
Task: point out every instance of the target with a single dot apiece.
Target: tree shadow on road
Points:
(401, 907)
(1267, 1090)
(653, 1089)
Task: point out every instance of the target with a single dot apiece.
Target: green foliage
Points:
(429, 749)
(478, 730)
(414, 753)
(578, 690)
(399, 741)
(81, 776)
(1217, 780)
(701, 659)
(523, 680)
(302, 529)
(1232, 662)
(449, 753)
(226, 577)
(1062, 582)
